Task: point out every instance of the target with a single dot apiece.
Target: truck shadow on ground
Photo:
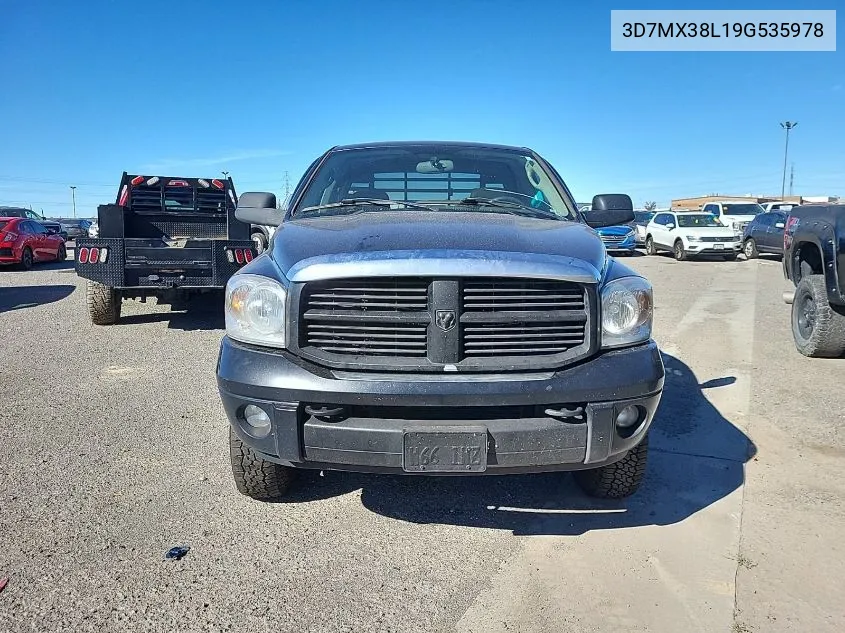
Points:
(696, 458)
(203, 312)
(22, 297)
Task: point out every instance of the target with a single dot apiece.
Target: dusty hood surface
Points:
(415, 235)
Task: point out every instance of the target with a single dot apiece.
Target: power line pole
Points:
(287, 185)
(791, 177)
(786, 125)
(73, 197)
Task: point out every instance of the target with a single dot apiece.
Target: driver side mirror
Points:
(670, 226)
(259, 208)
(609, 209)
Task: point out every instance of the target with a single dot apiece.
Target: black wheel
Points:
(730, 257)
(649, 246)
(61, 255)
(103, 304)
(678, 251)
(256, 477)
(617, 480)
(26, 258)
(817, 327)
(260, 242)
(749, 249)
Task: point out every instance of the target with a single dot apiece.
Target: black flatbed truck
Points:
(163, 237)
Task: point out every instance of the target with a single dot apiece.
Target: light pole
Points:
(786, 125)
(73, 197)
(225, 174)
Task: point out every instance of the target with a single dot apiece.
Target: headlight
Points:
(693, 238)
(626, 312)
(255, 310)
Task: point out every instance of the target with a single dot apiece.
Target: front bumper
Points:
(626, 246)
(380, 408)
(706, 248)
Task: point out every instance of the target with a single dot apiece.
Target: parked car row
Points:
(25, 242)
(723, 229)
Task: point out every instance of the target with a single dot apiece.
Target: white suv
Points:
(735, 214)
(691, 233)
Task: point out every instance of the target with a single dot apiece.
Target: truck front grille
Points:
(427, 324)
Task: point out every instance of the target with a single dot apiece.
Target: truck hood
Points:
(438, 242)
(737, 219)
(708, 231)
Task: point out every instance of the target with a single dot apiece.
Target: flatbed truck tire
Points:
(817, 327)
(103, 303)
(255, 477)
(618, 480)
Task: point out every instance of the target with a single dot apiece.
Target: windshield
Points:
(697, 220)
(434, 177)
(742, 209)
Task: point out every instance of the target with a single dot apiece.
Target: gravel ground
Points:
(113, 449)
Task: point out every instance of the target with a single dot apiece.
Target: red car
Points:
(24, 241)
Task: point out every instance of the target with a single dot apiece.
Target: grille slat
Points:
(522, 296)
(386, 323)
(387, 295)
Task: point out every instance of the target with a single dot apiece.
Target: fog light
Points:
(628, 417)
(258, 420)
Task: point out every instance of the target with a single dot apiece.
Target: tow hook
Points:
(788, 296)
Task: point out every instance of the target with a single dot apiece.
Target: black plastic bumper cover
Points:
(283, 386)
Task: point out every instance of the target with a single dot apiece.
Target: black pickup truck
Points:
(814, 261)
(437, 309)
(164, 237)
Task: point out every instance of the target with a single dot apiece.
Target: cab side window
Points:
(712, 208)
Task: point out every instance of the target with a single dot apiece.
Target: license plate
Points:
(718, 247)
(444, 451)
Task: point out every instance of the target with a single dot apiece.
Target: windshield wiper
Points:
(506, 204)
(353, 202)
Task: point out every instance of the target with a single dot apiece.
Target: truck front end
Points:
(481, 329)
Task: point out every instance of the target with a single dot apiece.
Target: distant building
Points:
(699, 202)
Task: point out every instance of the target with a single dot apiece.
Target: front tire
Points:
(749, 249)
(618, 480)
(255, 477)
(103, 303)
(817, 327)
(649, 246)
(260, 241)
(678, 251)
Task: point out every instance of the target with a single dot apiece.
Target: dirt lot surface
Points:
(113, 450)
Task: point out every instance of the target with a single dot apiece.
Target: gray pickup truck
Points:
(437, 309)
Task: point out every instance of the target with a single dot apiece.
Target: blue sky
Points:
(259, 88)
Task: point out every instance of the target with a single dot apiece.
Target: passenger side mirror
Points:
(609, 209)
(780, 225)
(259, 208)
(670, 226)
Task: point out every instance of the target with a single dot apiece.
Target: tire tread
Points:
(618, 480)
(256, 477)
(103, 303)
